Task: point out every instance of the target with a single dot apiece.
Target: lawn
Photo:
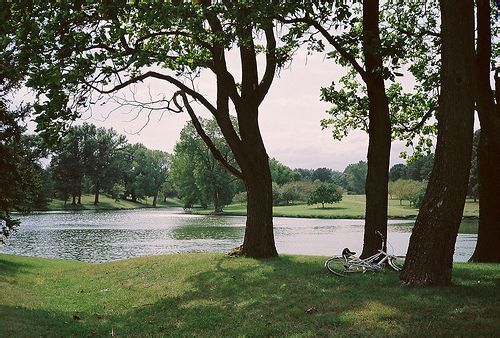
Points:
(351, 206)
(214, 295)
(107, 203)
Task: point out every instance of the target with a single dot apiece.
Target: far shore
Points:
(351, 207)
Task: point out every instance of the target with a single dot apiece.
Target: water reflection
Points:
(98, 236)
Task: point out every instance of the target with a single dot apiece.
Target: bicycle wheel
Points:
(336, 266)
(396, 262)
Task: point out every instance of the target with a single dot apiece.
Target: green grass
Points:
(351, 206)
(107, 203)
(214, 295)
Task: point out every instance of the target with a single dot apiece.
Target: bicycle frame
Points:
(355, 264)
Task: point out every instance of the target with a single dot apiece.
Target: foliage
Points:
(409, 190)
(322, 174)
(87, 151)
(398, 171)
(196, 174)
(355, 174)
(420, 167)
(240, 198)
(282, 174)
(325, 193)
(151, 167)
(22, 186)
(409, 44)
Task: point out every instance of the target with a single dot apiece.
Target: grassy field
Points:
(214, 295)
(106, 203)
(351, 206)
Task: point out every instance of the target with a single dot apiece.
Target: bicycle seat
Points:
(346, 252)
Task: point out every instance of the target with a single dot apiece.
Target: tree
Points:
(430, 253)
(195, 161)
(151, 170)
(325, 193)
(290, 192)
(69, 164)
(280, 173)
(102, 148)
(81, 48)
(420, 167)
(355, 174)
(488, 108)
(305, 174)
(22, 185)
(405, 190)
(182, 177)
(338, 178)
(398, 171)
(322, 174)
(373, 53)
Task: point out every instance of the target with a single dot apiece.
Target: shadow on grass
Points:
(9, 268)
(285, 296)
(331, 208)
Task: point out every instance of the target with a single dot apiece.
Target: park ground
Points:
(351, 206)
(216, 295)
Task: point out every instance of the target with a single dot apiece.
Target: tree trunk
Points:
(73, 201)
(379, 147)
(488, 238)
(155, 198)
(96, 197)
(259, 236)
(80, 198)
(430, 253)
(216, 202)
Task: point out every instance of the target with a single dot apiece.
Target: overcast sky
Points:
(289, 118)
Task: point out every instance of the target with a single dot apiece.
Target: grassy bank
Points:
(106, 203)
(351, 206)
(209, 294)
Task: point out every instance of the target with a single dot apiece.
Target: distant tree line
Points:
(99, 160)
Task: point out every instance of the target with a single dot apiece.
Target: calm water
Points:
(109, 235)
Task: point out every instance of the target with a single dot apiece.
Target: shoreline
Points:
(224, 213)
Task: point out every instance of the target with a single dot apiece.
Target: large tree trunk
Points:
(155, 198)
(379, 146)
(259, 236)
(488, 238)
(430, 254)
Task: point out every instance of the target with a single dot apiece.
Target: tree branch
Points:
(197, 96)
(199, 129)
(271, 63)
(332, 40)
(420, 124)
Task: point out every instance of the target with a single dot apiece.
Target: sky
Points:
(289, 117)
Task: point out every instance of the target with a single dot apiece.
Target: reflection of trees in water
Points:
(466, 227)
(198, 231)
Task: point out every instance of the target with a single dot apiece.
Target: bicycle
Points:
(348, 263)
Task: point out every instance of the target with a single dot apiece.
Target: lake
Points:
(99, 236)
